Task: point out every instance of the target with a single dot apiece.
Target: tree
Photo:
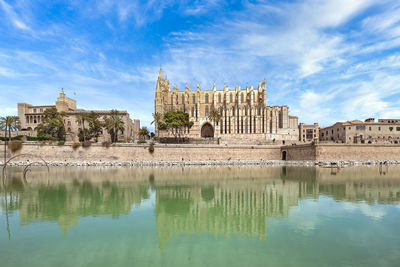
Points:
(176, 121)
(82, 117)
(95, 125)
(52, 126)
(143, 132)
(157, 120)
(113, 124)
(9, 124)
(214, 116)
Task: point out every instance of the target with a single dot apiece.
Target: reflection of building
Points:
(31, 116)
(244, 114)
(235, 208)
(368, 131)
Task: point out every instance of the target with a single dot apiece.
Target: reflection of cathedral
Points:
(220, 201)
(237, 208)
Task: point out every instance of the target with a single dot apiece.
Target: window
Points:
(370, 128)
(360, 127)
(172, 99)
(390, 128)
(34, 110)
(219, 98)
(241, 98)
(220, 111)
(349, 128)
(207, 99)
(194, 99)
(231, 98)
(41, 110)
(192, 112)
(69, 123)
(183, 99)
(397, 128)
(206, 109)
(233, 111)
(379, 128)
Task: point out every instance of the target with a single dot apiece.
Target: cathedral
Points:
(245, 117)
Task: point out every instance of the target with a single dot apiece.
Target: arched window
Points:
(245, 111)
(206, 110)
(231, 98)
(192, 112)
(183, 99)
(220, 111)
(241, 98)
(233, 111)
(206, 98)
(172, 99)
(219, 98)
(194, 99)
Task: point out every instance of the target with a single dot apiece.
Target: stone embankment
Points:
(327, 164)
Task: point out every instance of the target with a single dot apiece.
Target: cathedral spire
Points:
(160, 75)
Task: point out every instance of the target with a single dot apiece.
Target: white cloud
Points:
(13, 16)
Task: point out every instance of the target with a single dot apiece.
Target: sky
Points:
(329, 61)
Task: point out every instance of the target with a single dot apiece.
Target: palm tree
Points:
(144, 132)
(3, 127)
(9, 123)
(157, 119)
(214, 116)
(82, 117)
(113, 124)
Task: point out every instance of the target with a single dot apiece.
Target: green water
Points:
(219, 216)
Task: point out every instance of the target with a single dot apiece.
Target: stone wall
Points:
(121, 152)
(334, 152)
(164, 152)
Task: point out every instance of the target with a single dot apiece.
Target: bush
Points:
(75, 145)
(106, 144)
(142, 141)
(86, 144)
(151, 148)
(32, 138)
(61, 142)
(15, 145)
(18, 137)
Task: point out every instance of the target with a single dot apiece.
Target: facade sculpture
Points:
(31, 116)
(245, 117)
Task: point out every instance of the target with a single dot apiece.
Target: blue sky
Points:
(329, 61)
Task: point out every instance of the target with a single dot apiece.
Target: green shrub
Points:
(151, 148)
(15, 145)
(142, 141)
(61, 142)
(32, 138)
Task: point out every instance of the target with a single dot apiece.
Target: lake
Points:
(200, 216)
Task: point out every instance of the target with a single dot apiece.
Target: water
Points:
(209, 216)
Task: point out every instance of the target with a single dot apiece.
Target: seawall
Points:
(206, 153)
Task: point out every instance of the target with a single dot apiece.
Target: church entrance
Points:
(207, 131)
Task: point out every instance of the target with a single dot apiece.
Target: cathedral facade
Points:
(245, 117)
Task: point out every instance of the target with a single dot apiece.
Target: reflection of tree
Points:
(65, 203)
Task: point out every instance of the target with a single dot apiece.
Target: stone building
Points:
(245, 117)
(384, 131)
(31, 116)
(308, 132)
